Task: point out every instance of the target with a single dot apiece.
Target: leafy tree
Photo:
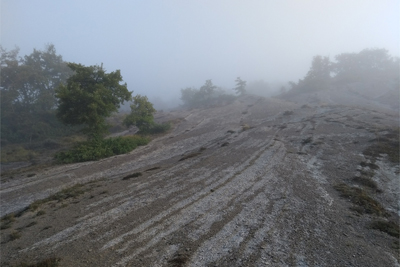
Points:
(318, 77)
(240, 86)
(189, 96)
(27, 93)
(89, 97)
(141, 115)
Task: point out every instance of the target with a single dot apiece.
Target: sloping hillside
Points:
(259, 182)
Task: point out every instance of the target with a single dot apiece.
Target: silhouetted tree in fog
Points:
(207, 89)
(240, 86)
(27, 94)
(369, 65)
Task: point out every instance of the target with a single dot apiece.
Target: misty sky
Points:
(165, 45)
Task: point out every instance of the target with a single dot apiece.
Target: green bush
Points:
(101, 148)
(157, 128)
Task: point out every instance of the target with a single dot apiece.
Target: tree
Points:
(317, 78)
(27, 93)
(369, 65)
(240, 86)
(319, 75)
(141, 115)
(207, 89)
(89, 97)
(189, 96)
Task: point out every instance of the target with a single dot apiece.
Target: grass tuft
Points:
(388, 227)
(7, 221)
(15, 235)
(133, 175)
(40, 213)
(364, 203)
(71, 192)
(307, 140)
(30, 224)
(372, 166)
(366, 181)
(179, 260)
(50, 262)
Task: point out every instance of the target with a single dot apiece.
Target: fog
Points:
(164, 46)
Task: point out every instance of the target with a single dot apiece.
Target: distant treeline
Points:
(371, 67)
(28, 87)
(209, 94)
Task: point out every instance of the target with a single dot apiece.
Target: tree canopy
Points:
(141, 113)
(89, 97)
(207, 89)
(369, 65)
(27, 93)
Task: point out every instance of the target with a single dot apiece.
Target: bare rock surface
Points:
(251, 183)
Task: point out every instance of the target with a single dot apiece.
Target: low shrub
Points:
(15, 153)
(156, 128)
(103, 148)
